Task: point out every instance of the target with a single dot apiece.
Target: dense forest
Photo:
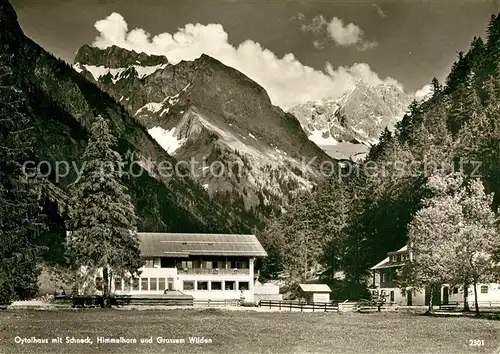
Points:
(364, 211)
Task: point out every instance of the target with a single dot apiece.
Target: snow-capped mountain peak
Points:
(346, 127)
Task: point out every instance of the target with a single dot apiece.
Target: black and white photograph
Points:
(249, 176)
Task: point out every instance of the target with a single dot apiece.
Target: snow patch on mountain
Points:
(167, 139)
(152, 107)
(322, 137)
(117, 74)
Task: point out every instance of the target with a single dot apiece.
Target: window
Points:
(118, 283)
(188, 285)
(161, 284)
(167, 262)
(187, 264)
(403, 292)
(243, 285)
(98, 283)
(239, 264)
(383, 277)
(135, 284)
(455, 290)
(152, 284)
(144, 284)
(229, 285)
(216, 285)
(126, 284)
(392, 296)
(202, 285)
(484, 289)
(152, 263)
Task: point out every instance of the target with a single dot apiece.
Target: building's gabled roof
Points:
(185, 245)
(385, 263)
(401, 250)
(315, 288)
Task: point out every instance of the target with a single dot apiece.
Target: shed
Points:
(315, 292)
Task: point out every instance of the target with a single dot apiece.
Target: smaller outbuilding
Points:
(315, 292)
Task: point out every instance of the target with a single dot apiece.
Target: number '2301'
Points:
(476, 343)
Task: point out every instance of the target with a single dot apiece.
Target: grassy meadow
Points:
(246, 331)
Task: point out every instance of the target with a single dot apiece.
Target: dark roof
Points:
(184, 245)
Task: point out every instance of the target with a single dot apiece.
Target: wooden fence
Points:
(334, 306)
(460, 304)
(295, 304)
(217, 303)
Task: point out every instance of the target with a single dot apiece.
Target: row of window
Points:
(144, 284)
(229, 285)
(159, 263)
(162, 284)
(483, 289)
(397, 258)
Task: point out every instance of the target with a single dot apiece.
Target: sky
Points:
(297, 50)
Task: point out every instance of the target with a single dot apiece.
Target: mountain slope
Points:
(348, 126)
(211, 114)
(62, 104)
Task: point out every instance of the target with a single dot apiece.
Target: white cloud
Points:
(424, 93)
(380, 11)
(344, 35)
(287, 81)
(317, 25)
(347, 35)
(318, 44)
(348, 76)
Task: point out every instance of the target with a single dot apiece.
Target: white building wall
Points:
(321, 297)
(180, 277)
(266, 291)
(418, 296)
(493, 295)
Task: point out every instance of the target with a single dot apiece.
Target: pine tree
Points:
(102, 220)
(436, 87)
(458, 73)
(20, 219)
(465, 105)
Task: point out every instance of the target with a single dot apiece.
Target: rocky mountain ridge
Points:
(351, 124)
(207, 111)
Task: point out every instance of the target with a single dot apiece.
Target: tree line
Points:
(102, 220)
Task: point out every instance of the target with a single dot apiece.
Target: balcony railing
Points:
(214, 271)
